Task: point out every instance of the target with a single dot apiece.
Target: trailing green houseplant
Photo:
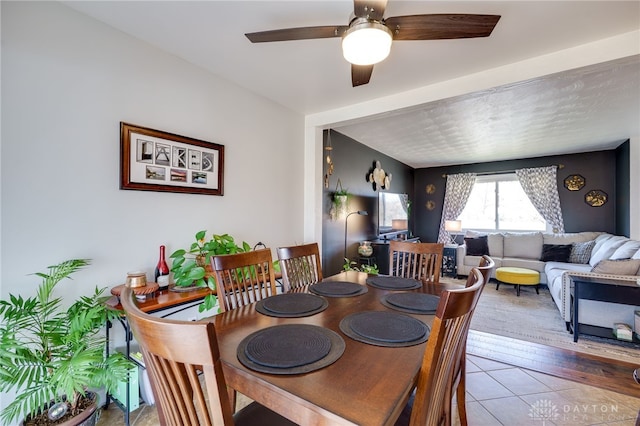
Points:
(352, 265)
(190, 266)
(51, 354)
(339, 201)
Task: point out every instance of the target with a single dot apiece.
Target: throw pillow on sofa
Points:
(556, 252)
(476, 246)
(605, 246)
(626, 250)
(581, 252)
(618, 267)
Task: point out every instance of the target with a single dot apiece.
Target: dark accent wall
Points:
(601, 170)
(352, 163)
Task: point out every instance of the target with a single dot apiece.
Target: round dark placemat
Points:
(413, 303)
(393, 283)
(291, 305)
(383, 328)
(290, 349)
(338, 289)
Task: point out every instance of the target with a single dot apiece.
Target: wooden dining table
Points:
(367, 385)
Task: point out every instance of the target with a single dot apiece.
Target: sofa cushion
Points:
(581, 252)
(603, 250)
(618, 267)
(476, 246)
(523, 245)
(601, 239)
(626, 250)
(555, 252)
(569, 238)
(495, 241)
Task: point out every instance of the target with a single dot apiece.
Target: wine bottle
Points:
(162, 271)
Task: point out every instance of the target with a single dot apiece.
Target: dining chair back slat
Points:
(243, 278)
(300, 266)
(432, 401)
(421, 261)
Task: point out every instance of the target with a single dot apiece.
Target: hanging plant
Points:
(340, 202)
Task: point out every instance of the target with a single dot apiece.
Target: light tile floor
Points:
(500, 394)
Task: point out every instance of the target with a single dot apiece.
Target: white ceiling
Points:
(579, 110)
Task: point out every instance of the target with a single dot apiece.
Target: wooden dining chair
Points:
(176, 354)
(300, 265)
(243, 278)
(431, 403)
(421, 261)
(485, 267)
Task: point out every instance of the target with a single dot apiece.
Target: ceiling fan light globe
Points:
(366, 43)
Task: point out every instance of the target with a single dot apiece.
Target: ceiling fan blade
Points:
(360, 74)
(370, 9)
(303, 33)
(441, 26)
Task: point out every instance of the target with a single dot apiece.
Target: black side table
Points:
(604, 290)
(450, 261)
(367, 260)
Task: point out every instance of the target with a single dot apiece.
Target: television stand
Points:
(381, 251)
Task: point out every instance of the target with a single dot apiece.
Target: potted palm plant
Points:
(51, 356)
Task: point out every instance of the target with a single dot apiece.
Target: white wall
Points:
(634, 187)
(67, 82)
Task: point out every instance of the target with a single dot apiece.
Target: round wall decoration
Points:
(430, 188)
(595, 198)
(430, 205)
(574, 182)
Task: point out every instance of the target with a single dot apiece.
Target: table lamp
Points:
(399, 224)
(452, 226)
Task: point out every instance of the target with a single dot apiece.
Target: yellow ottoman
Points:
(517, 277)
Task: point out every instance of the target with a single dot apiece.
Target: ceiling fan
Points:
(367, 39)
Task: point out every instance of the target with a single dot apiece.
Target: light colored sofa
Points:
(525, 250)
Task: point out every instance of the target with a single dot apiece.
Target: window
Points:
(498, 203)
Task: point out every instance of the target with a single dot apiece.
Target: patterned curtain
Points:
(541, 186)
(456, 195)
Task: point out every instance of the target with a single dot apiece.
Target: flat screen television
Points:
(392, 213)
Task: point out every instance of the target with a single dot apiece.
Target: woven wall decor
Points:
(596, 198)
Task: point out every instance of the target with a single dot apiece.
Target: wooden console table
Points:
(603, 290)
(155, 302)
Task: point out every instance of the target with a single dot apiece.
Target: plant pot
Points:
(340, 206)
(88, 417)
(202, 262)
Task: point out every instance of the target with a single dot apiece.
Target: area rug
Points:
(535, 318)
